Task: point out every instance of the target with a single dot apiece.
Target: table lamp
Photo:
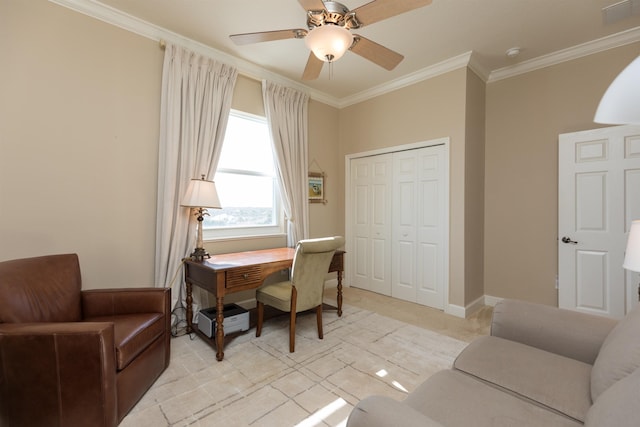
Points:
(632, 254)
(201, 194)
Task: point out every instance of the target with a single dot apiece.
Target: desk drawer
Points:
(247, 276)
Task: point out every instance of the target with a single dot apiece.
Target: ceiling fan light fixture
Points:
(329, 42)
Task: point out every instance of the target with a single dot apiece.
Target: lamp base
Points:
(199, 254)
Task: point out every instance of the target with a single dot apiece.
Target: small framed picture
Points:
(316, 187)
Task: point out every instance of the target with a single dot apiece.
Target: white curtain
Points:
(195, 105)
(286, 111)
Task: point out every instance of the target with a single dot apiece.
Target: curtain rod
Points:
(163, 44)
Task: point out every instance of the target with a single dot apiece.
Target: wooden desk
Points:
(228, 273)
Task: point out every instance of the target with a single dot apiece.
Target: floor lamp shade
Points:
(632, 254)
(620, 104)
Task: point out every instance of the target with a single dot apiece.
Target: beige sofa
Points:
(541, 366)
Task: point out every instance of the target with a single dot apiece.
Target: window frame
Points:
(252, 231)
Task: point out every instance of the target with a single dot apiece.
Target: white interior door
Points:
(420, 218)
(371, 213)
(599, 182)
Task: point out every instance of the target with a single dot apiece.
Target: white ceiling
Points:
(426, 37)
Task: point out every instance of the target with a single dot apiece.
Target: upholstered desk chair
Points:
(70, 357)
(305, 289)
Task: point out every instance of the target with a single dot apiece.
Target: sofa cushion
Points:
(133, 333)
(553, 381)
(619, 355)
(453, 398)
(383, 411)
(618, 405)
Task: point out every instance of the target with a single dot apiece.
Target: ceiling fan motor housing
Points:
(335, 14)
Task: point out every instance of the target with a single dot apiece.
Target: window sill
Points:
(247, 237)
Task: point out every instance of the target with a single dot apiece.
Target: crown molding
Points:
(112, 16)
(615, 40)
(443, 67)
(102, 12)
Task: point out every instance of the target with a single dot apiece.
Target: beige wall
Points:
(525, 114)
(79, 106)
(428, 110)
(79, 120)
(474, 188)
(326, 219)
(78, 151)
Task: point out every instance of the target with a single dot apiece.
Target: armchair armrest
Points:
(57, 374)
(564, 332)
(111, 302)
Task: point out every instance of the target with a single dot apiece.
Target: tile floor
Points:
(379, 346)
(415, 314)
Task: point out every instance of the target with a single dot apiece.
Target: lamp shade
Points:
(329, 42)
(201, 194)
(621, 102)
(632, 254)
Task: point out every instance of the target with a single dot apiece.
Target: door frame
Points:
(445, 141)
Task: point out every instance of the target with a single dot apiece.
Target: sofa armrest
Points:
(383, 411)
(57, 374)
(112, 302)
(564, 332)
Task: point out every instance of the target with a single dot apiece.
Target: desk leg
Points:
(339, 293)
(189, 300)
(219, 329)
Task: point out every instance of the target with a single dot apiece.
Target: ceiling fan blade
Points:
(378, 10)
(376, 53)
(267, 36)
(312, 4)
(313, 68)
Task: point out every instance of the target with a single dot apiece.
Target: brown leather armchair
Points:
(75, 358)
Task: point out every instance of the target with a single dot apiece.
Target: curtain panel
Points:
(195, 106)
(286, 111)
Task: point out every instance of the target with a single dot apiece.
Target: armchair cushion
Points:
(133, 333)
(49, 293)
(619, 355)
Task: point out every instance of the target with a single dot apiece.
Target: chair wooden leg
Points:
(292, 320)
(260, 318)
(319, 319)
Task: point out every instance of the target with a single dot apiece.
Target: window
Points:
(246, 182)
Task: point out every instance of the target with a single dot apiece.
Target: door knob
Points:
(568, 240)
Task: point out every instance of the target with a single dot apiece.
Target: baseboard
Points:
(455, 310)
(491, 301)
(469, 309)
(452, 309)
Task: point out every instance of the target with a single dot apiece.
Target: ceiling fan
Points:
(329, 33)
